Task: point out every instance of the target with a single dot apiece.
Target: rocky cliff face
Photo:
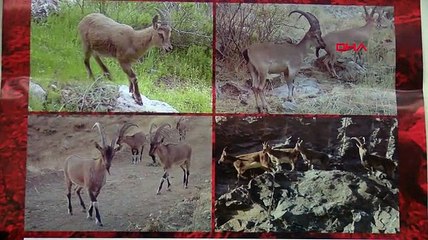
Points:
(342, 199)
(318, 201)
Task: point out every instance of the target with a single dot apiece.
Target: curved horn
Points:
(151, 128)
(101, 132)
(158, 131)
(313, 21)
(365, 10)
(162, 15)
(358, 140)
(122, 131)
(372, 12)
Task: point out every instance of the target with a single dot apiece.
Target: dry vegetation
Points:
(369, 89)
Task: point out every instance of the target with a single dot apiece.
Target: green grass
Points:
(57, 59)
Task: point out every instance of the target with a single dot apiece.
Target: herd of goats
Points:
(90, 174)
(271, 158)
(264, 59)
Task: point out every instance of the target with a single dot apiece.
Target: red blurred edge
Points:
(411, 117)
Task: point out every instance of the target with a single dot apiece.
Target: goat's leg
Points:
(133, 82)
(141, 154)
(69, 184)
(184, 175)
(164, 176)
(289, 76)
(332, 62)
(93, 197)
(153, 158)
(133, 155)
(261, 88)
(80, 198)
(103, 67)
(88, 54)
(254, 78)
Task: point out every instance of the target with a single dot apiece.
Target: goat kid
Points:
(353, 35)
(247, 161)
(373, 162)
(311, 156)
(171, 154)
(102, 36)
(91, 174)
(270, 58)
(136, 142)
(279, 156)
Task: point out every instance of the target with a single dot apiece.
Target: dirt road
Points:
(128, 201)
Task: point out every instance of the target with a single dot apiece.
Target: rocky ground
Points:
(311, 201)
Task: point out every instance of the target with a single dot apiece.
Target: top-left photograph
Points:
(118, 56)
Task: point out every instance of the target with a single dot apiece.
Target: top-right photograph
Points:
(305, 59)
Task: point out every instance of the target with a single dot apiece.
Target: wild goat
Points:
(136, 142)
(373, 162)
(182, 128)
(102, 36)
(311, 156)
(171, 154)
(279, 156)
(91, 174)
(247, 161)
(270, 58)
(350, 36)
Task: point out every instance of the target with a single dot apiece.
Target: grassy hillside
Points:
(181, 78)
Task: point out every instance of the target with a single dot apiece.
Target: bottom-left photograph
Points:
(118, 173)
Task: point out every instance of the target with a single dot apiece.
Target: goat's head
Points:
(266, 147)
(369, 17)
(158, 138)
(108, 151)
(121, 135)
(362, 149)
(223, 156)
(298, 145)
(314, 32)
(163, 29)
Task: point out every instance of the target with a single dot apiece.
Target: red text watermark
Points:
(343, 47)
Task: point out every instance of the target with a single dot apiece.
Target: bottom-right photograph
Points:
(323, 174)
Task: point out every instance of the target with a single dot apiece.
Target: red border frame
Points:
(411, 116)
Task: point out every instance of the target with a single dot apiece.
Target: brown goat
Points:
(102, 36)
(90, 173)
(311, 156)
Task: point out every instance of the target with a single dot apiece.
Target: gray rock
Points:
(315, 200)
(37, 92)
(125, 103)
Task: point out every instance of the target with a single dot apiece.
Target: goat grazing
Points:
(247, 161)
(102, 36)
(373, 162)
(279, 156)
(136, 142)
(311, 156)
(170, 154)
(270, 58)
(91, 174)
(349, 36)
(182, 128)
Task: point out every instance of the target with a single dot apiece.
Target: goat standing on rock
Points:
(373, 162)
(91, 174)
(102, 36)
(270, 58)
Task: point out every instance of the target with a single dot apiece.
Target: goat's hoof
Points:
(89, 217)
(169, 189)
(158, 193)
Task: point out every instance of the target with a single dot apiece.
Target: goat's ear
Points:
(98, 146)
(155, 22)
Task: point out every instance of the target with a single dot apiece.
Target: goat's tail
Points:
(245, 54)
